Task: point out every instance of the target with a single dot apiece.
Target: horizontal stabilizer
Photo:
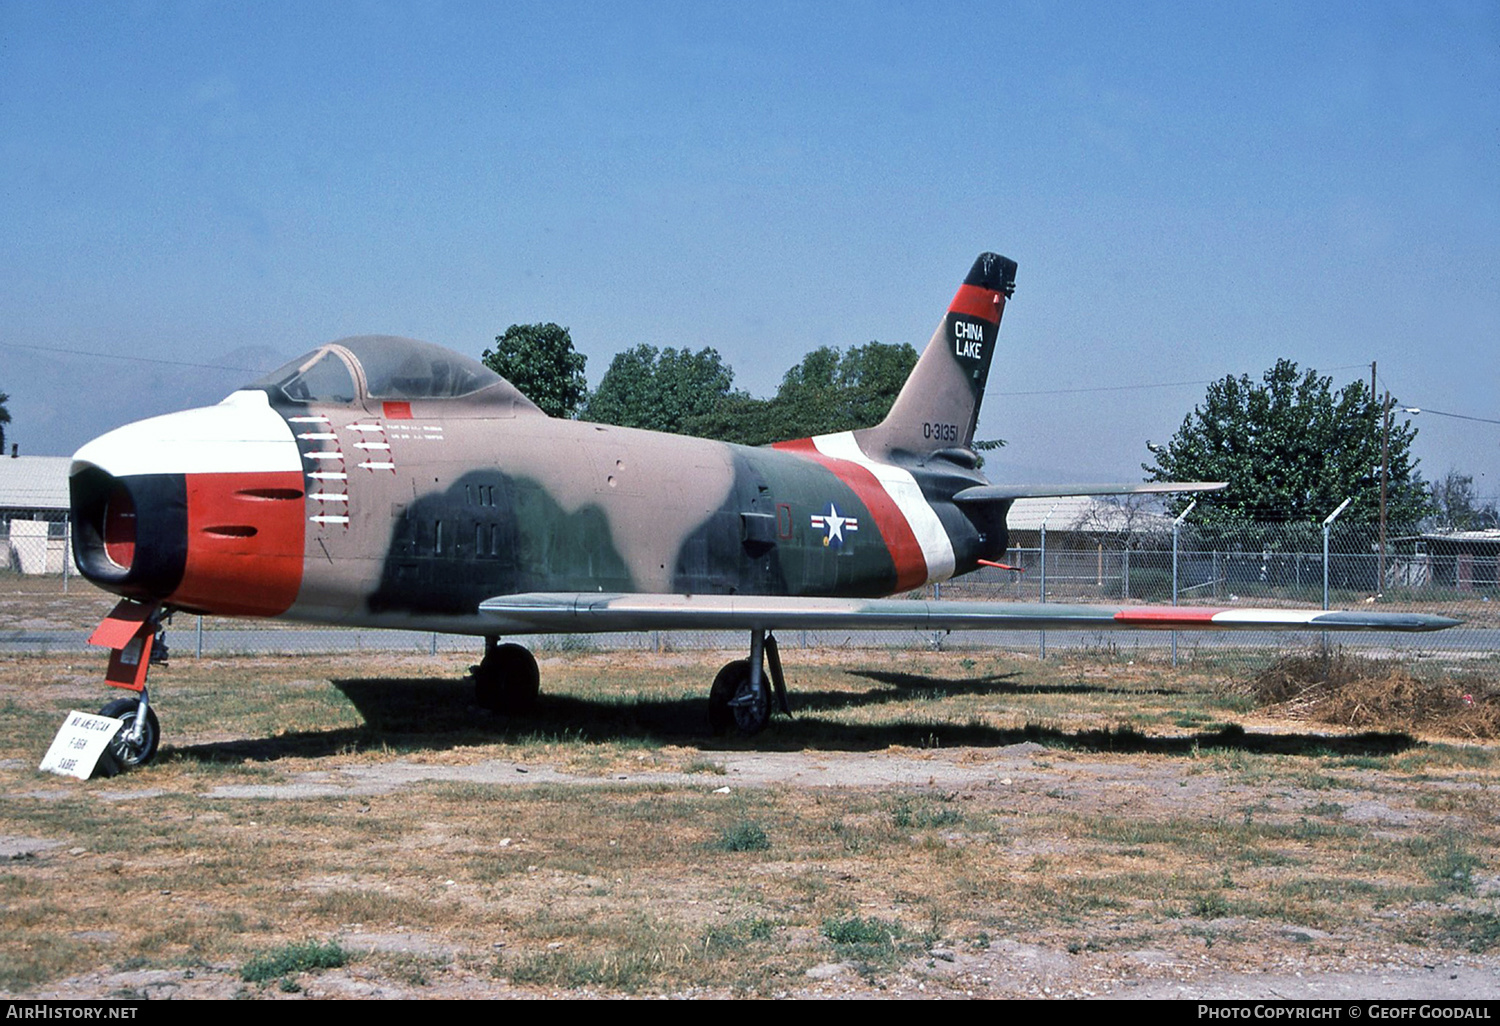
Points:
(568, 612)
(1005, 493)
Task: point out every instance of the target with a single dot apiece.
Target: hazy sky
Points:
(1191, 190)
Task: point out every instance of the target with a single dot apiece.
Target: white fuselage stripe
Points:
(904, 491)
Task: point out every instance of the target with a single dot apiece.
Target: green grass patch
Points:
(742, 836)
(735, 935)
(706, 766)
(908, 813)
(870, 941)
(1477, 931)
(1448, 863)
(291, 959)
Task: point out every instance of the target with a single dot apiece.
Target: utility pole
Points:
(1385, 474)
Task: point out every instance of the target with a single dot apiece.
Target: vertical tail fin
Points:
(939, 404)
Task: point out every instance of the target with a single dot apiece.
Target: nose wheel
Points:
(507, 679)
(136, 741)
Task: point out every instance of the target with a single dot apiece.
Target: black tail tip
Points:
(995, 272)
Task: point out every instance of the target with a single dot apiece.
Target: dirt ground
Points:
(1006, 830)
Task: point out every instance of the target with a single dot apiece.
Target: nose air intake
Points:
(129, 534)
(119, 527)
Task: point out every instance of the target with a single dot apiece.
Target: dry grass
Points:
(258, 836)
(1385, 694)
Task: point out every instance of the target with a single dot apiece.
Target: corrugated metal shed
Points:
(33, 484)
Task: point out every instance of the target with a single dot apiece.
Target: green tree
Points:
(660, 390)
(539, 359)
(4, 420)
(827, 391)
(1455, 507)
(1292, 448)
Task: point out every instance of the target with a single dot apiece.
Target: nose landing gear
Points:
(134, 635)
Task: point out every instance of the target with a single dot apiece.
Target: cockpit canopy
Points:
(385, 368)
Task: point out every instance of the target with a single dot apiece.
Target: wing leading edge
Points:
(566, 612)
(1005, 493)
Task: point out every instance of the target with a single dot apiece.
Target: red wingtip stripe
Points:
(973, 301)
(1167, 614)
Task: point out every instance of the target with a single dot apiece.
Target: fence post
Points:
(1327, 526)
(1042, 634)
(1325, 567)
(67, 550)
(1176, 527)
(198, 648)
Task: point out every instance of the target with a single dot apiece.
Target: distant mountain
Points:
(60, 401)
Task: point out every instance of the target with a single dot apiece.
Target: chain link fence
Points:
(46, 607)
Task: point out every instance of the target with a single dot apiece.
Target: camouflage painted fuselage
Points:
(638, 512)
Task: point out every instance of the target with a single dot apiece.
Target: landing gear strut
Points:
(506, 679)
(739, 697)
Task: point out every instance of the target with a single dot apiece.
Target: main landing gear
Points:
(739, 697)
(506, 679)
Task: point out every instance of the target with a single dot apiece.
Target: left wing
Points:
(589, 612)
(1005, 493)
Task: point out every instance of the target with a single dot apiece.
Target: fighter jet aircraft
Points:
(386, 482)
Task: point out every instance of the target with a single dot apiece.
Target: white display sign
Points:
(79, 743)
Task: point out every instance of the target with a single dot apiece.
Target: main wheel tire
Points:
(125, 754)
(733, 682)
(507, 680)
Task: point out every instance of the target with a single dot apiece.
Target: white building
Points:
(34, 513)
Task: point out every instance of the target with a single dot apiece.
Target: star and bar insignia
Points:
(833, 525)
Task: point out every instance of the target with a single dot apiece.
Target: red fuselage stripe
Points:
(900, 541)
(973, 301)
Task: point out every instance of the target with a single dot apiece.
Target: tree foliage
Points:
(660, 390)
(827, 391)
(1455, 507)
(1292, 448)
(4, 420)
(539, 359)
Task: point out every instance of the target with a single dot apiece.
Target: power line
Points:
(130, 358)
(1423, 410)
(1133, 388)
(1099, 388)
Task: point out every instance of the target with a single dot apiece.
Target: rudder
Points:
(939, 405)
